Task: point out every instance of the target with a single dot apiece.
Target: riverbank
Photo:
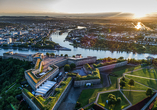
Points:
(38, 49)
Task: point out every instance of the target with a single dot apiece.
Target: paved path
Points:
(135, 81)
(124, 89)
(102, 93)
(142, 84)
(104, 75)
(127, 100)
(150, 101)
(113, 91)
(133, 90)
(87, 105)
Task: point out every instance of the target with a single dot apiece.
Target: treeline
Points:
(155, 61)
(43, 44)
(117, 46)
(12, 72)
(134, 61)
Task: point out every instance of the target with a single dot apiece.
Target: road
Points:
(104, 76)
(71, 99)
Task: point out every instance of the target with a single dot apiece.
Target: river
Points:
(85, 52)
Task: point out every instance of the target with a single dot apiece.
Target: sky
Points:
(138, 7)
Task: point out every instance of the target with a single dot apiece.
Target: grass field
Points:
(119, 71)
(135, 97)
(150, 73)
(103, 97)
(135, 87)
(155, 105)
(147, 82)
(90, 94)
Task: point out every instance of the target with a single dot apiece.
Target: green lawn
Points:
(155, 105)
(150, 73)
(89, 95)
(103, 97)
(135, 97)
(147, 82)
(135, 87)
(124, 69)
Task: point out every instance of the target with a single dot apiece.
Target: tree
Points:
(121, 58)
(122, 83)
(47, 54)
(67, 68)
(74, 42)
(73, 56)
(72, 65)
(112, 99)
(11, 99)
(66, 55)
(131, 83)
(78, 105)
(61, 54)
(52, 54)
(149, 92)
(123, 78)
(119, 99)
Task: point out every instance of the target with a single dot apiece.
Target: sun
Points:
(138, 26)
(139, 15)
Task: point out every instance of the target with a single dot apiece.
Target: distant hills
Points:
(84, 15)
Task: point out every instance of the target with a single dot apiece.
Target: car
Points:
(55, 79)
(88, 84)
(60, 73)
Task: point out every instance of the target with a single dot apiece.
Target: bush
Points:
(29, 94)
(123, 78)
(89, 76)
(66, 55)
(121, 58)
(111, 96)
(67, 68)
(72, 65)
(52, 54)
(122, 83)
(95, 66)
(47, 54)
(78, 105)
(112, 101)
(37, 63)
(149, 92)
(131, 82)
(119, 99)
(107, 63)
(72, 74)
(88, 67)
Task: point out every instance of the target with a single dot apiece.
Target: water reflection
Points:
(85, 52)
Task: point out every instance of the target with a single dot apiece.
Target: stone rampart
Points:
(112, 66)
(83, 82)
(30, 102)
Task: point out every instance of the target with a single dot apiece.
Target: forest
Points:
(11, 76)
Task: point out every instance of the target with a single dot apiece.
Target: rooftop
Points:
(44, 88)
